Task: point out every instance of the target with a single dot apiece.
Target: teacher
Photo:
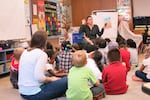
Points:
(90, 30)
(33, 84)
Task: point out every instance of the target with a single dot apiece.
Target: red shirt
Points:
(14, 66)
(114, 78)
(125, 55)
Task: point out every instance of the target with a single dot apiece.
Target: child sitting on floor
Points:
(146, 64)
(65, 56)
(78, 78)
(114, 75)
(14, 67)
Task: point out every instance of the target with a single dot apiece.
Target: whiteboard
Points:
(109, 17)
(12, 20)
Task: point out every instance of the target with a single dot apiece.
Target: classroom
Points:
(74, 50)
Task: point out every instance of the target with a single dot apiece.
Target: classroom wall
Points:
(82, 8)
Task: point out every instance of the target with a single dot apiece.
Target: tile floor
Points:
(134, 92)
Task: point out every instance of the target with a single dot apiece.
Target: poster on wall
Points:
(109, 20)
(124, 9)
(41, 15)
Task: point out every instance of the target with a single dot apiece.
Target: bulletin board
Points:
(109, 19)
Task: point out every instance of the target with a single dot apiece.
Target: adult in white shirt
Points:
(33, 84)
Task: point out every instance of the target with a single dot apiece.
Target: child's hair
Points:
(113, 55)
(76, 47)
(90, 48)
(131, 43)
(113, 45)
(97, 56)
(66, 45)
(102, 43)
(107, 40)
(17, 53)
(49, 46)
(79, 58)
(122, 44)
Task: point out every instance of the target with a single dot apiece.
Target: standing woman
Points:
(33, 84)
(90, 30)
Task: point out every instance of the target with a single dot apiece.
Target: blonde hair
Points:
(17, 53)
(79, 58)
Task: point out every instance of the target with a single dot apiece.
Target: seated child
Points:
(78, 78)
(146, 64)
(51, 63)
(114, 75)
(65, 56)
(53, 72)
(133, 52)
(95, 65)
(14, 67)
(125, 55)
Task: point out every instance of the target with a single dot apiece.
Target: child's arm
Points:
(58, 74)
(142, 67)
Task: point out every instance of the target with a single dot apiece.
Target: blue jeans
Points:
(49, 90)
(142, 75)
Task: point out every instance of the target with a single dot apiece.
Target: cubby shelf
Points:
(5, 58)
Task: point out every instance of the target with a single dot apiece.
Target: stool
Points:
(99, 96)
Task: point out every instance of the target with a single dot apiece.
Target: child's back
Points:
(78, 78)
(115, 83)
(78, 88)
(114, 75)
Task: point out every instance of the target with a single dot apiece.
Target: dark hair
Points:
(66, 45)
(131, 43)
(107, 40)
(97, 56)
(49, 46)
(102, 43)
(39, 39)
(50, 53)
(88, 17)
(90, 48)
(113, 55)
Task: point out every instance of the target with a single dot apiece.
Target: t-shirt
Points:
(14, 66)
(32, 68)
(78, 88)
(125, 55)
(94, 68)
(146, 63)
(134, 56)
(114, 78)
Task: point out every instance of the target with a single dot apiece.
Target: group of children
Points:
(103, 66)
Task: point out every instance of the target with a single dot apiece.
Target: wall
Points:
(82, 8)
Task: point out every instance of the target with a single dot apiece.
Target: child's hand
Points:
(53, 78)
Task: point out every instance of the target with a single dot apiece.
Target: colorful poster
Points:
(124, 9)
(41, 15)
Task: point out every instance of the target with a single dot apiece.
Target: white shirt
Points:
(32, 71)
(93, 67)
(133, 56)
(146, 63)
